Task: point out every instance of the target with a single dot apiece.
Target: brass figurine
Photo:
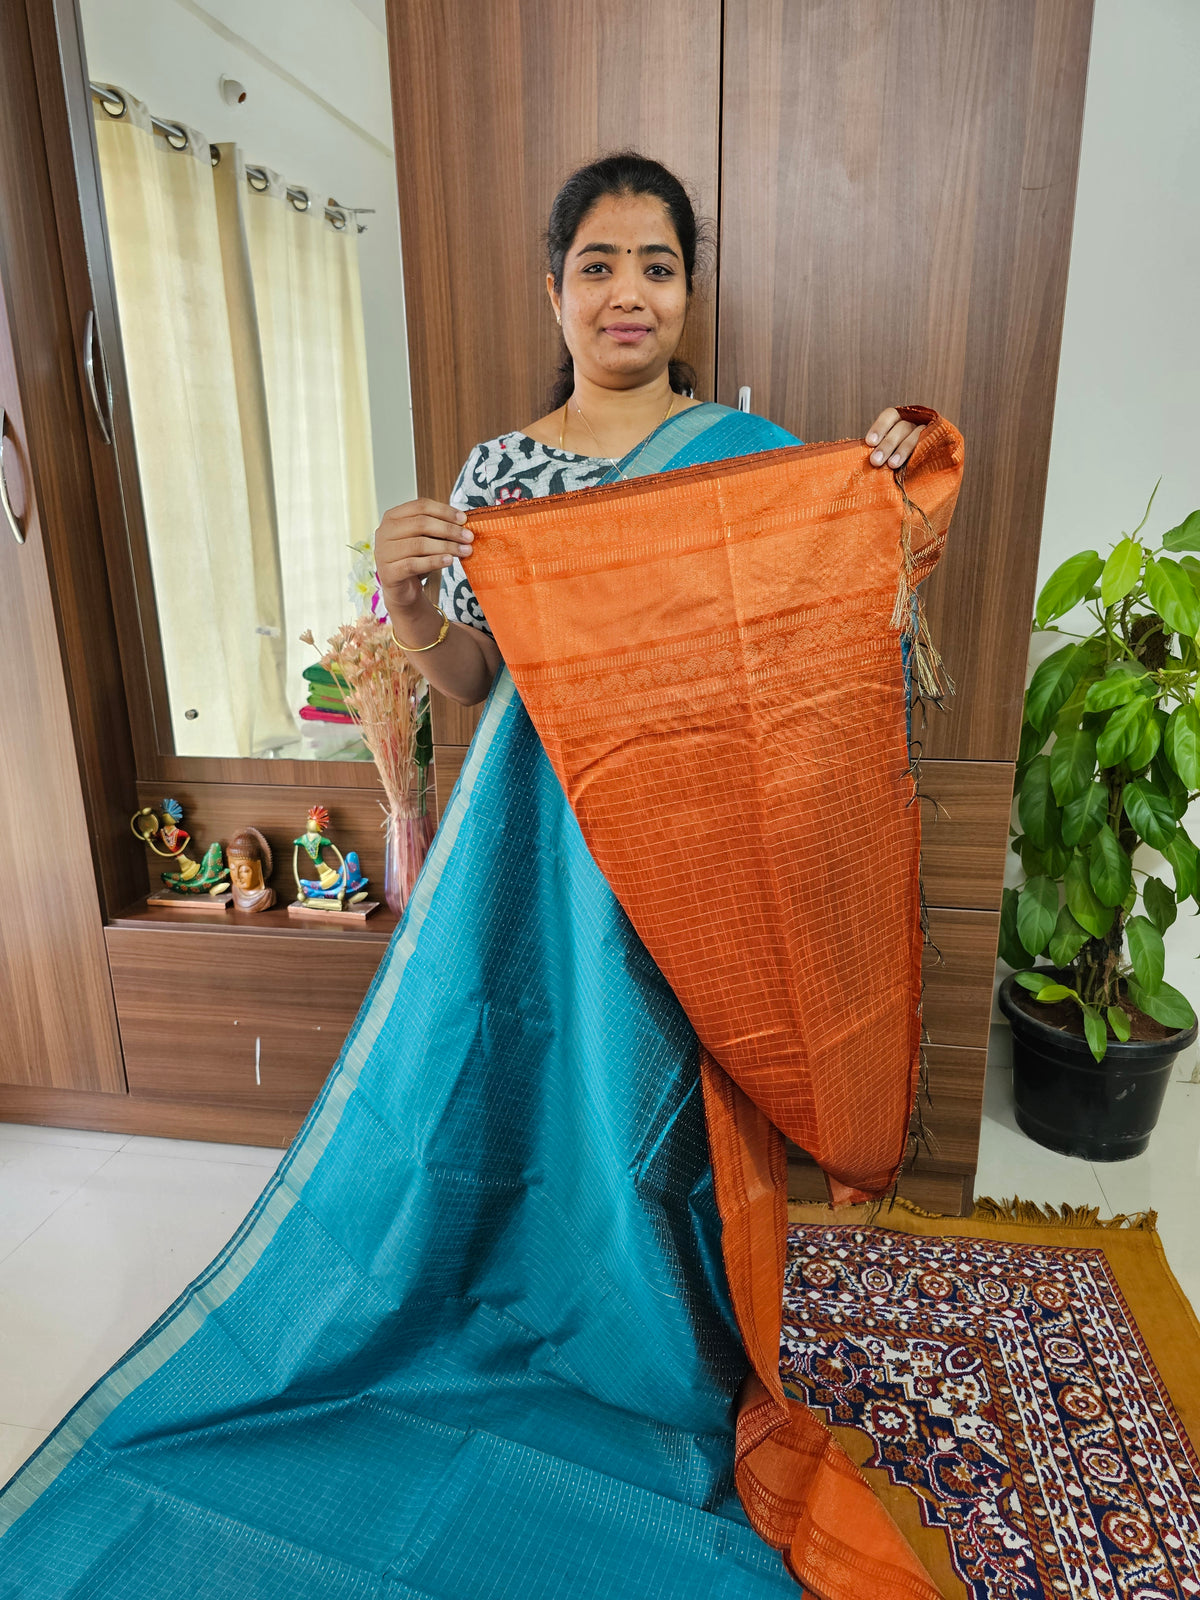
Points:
(166, 837)
(342, 892)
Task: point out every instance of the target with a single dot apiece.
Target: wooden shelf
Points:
(377, 929)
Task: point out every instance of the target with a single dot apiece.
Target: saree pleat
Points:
(712, 659)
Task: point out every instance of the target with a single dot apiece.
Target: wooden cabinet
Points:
(59, 1025)
(895, 187)
(249, 1020)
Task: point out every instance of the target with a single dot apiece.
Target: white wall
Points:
(1128, 405)
(317, 110)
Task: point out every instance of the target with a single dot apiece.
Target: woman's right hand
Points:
(413, 540)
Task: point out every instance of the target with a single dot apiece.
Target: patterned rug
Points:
(1005, 1383)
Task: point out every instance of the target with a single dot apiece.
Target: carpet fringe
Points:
(1025, 1213)
(1033, 1214)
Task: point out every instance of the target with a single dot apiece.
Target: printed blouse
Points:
(511, 467)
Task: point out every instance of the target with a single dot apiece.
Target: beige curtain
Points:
(241, 323)
(307, 291)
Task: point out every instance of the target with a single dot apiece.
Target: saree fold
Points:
(711, 657)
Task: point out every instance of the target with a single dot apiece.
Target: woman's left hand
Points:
(893, 438)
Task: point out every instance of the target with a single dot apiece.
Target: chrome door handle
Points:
(15, 527)
(103, 415)
(744, 397)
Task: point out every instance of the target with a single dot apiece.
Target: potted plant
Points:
(1109, 760)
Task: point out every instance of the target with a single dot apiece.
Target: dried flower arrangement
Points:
(389, 700)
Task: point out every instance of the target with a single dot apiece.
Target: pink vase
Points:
(406, 844)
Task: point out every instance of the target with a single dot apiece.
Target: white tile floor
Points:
(99, 1232)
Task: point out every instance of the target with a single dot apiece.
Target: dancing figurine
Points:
(166, 837)
(340, 893)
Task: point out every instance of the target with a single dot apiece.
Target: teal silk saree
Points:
(474, 1340)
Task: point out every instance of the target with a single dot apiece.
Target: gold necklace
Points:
(562, 432)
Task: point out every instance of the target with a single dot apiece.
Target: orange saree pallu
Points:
(711, 657)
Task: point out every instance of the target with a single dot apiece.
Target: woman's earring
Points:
(558, 319)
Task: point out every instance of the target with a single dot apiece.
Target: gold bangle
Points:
(415, 649)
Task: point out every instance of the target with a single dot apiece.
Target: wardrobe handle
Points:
(744, 397)
(90, 344)
(15, 527)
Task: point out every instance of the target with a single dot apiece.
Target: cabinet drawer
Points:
(958, 988)
(235, 1020)
(964, 838)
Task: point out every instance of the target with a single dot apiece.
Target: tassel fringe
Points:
(908, 614)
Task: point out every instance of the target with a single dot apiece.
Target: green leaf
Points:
(1159, 903)
(1119, 1023)
(1146, 952)
(1109, 868)
(1096, 1030)
(1052, 683)
(1033, 981)
(1165, 1005)
(1121, 572)
(1182, 744)
(1072, 763)
(1032, 740)
(1185, 859)
(1067, 940)
(1122, 731)
(1150, 812)
(1172, 596)
(1169, 781)
(1067, 585)
(1143, 753)
(1086, 908)
(1048, 863)
(1051, 992)
(1081, 817)
(1118, 688)
(1036, 807)
(1012, 951)
(1037, 908)
(1186, 536)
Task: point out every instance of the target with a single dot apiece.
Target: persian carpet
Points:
(712, 659)
(1017, 1382)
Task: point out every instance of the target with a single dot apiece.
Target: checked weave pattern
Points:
(709, 658)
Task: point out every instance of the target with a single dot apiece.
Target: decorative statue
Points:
(342, 891)
(167, 838)
(250, 865)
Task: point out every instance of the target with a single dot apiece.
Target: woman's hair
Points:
(624, 174)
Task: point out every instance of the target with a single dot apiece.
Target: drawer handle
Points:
(17, 531)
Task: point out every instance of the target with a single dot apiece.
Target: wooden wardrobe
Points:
(893, 186)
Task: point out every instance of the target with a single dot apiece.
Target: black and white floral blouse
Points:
(512, 467)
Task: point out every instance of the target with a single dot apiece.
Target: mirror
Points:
(249, 185)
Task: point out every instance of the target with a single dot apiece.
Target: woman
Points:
(622, 242)
(475, 1339)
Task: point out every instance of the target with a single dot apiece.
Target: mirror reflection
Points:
(249, 182)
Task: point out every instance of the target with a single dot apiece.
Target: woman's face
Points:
(624, 293)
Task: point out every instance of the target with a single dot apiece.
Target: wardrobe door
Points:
(494, 105)
(897, 187)
(59, 1024)
(897, 190)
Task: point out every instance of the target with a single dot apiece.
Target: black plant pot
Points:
(1072, 1103)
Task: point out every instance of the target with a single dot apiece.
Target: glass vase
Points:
(406, 842)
